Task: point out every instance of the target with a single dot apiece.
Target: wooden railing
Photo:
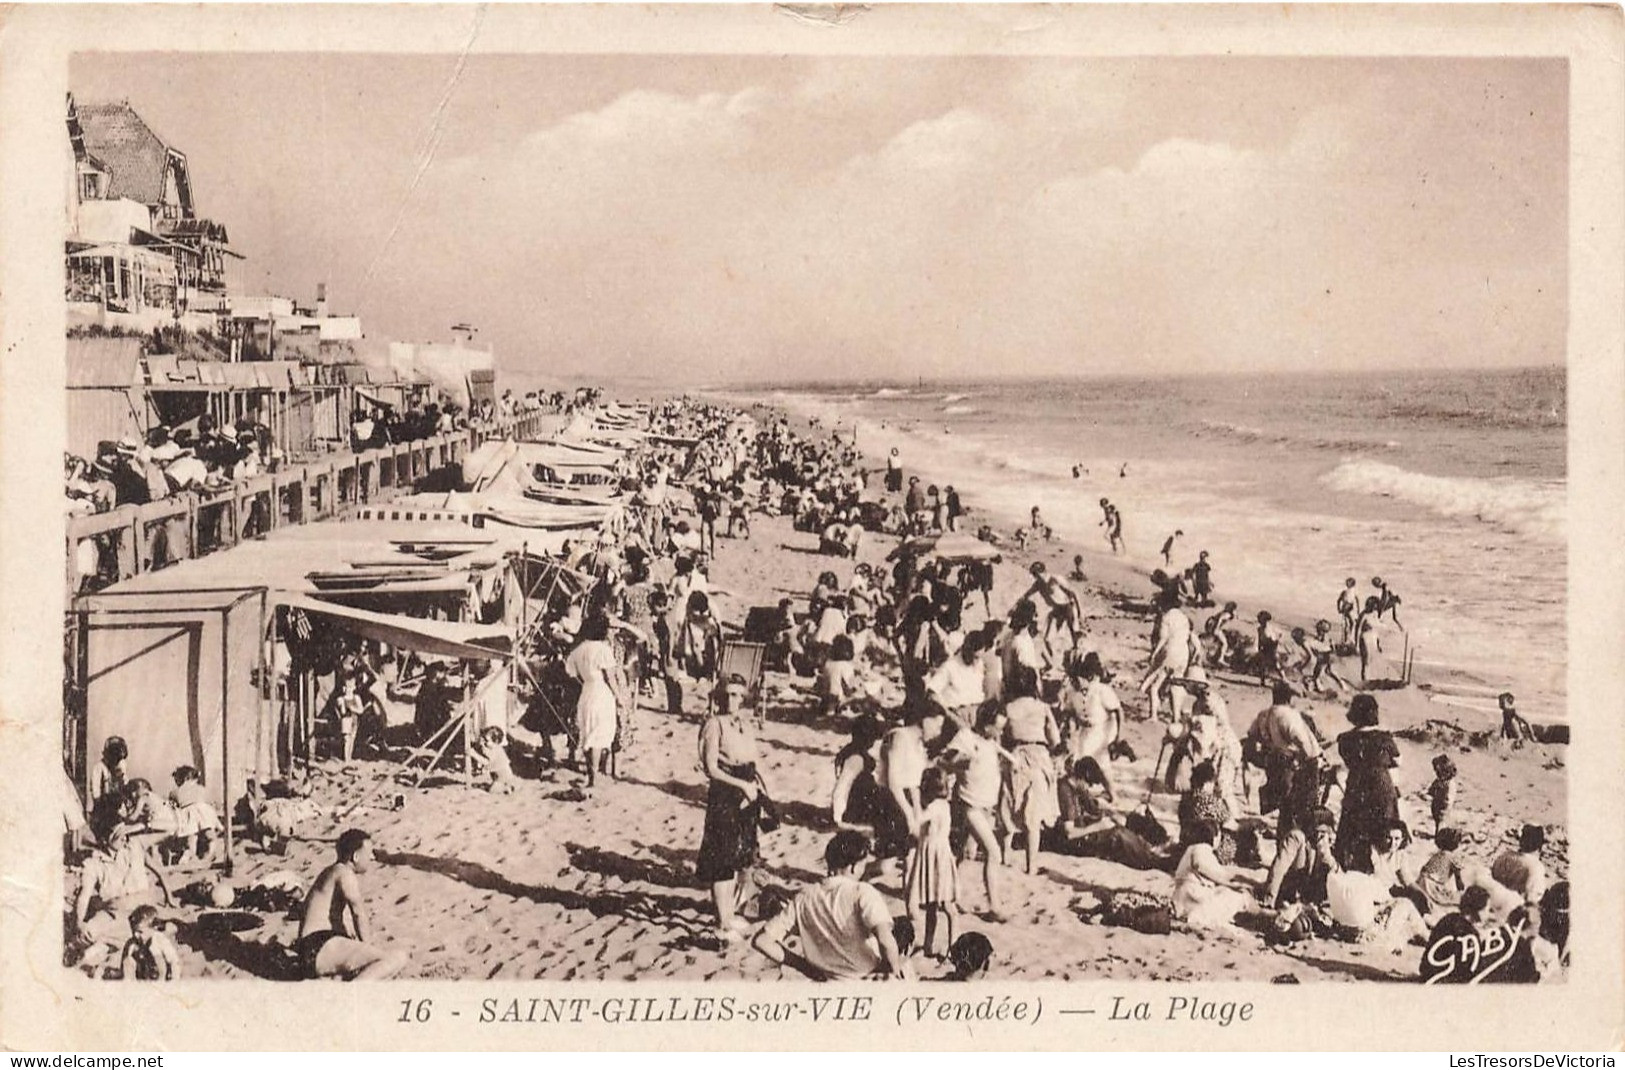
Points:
(133, 539)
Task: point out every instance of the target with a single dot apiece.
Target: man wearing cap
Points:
(1282, 742)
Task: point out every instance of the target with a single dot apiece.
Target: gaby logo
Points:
(1468, 957)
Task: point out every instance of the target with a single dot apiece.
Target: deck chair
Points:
(762, 626)
(746, 659)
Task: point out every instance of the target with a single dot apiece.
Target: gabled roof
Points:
(136, 158)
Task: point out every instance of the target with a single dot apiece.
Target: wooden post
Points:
(137, 532)
(225, 734)
(468, 716)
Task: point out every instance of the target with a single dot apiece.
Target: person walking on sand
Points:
(593, 663)
(894, 471)
(954, 508)
(1387, 602)
(1348, 608)
(1172, 655)
(1112, 521)
(1282, 742)
(334, 929)
(1168, 547)
(975, 759)
(1320, 653)
(1030, 785)
(1061, 601)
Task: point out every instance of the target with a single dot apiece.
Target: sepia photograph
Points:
(747, 516)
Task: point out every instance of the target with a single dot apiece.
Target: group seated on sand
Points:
(993, 743)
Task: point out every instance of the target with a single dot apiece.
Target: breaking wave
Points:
(959, 410)
(1244, 433)
(1535, 509)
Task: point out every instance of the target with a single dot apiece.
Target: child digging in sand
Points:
(933, 879)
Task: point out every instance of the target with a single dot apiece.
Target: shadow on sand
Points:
(218, 941)
(652, 907)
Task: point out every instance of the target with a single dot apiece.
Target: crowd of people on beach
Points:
(994, 738)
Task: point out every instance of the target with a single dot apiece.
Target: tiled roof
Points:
(134, 155)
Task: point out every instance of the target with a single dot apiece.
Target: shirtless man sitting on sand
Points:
(333, 932)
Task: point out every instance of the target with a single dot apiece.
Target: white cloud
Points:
(703, 233)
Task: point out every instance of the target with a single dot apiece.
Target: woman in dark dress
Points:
(1370, 800)
(733, 804)
(858, 801)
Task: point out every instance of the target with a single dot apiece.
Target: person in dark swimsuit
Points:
(333, 932)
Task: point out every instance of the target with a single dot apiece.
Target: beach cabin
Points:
(178, 674)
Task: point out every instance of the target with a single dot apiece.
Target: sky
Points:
(700, 219)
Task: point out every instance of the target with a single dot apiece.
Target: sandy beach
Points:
(535, 885)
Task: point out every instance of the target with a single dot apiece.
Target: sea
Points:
(1449, 485)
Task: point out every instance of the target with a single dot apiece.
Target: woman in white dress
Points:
(1094, 715)
(1207, 893)
(593, 663)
